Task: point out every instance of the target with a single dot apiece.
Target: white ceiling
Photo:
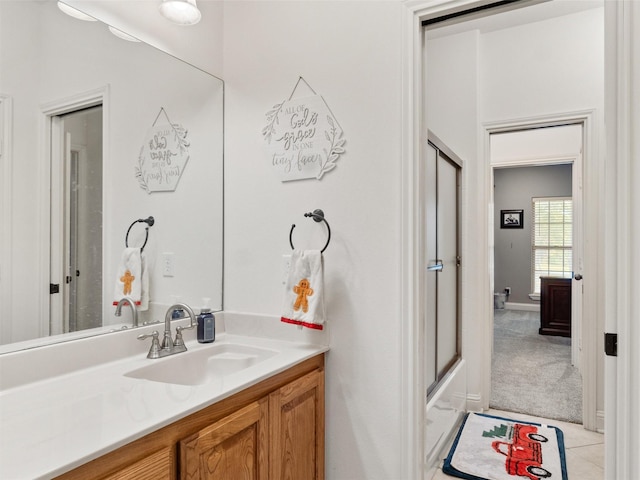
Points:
(512, 17)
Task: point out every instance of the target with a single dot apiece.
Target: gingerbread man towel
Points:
(132, 278)
(304, 290)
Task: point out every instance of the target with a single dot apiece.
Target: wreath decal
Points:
(303, 138)
(163, 157)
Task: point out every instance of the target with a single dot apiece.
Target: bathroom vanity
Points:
(249, 405)
(274, 429)
(555, 306)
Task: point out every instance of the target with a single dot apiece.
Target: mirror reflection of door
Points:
(76, 221)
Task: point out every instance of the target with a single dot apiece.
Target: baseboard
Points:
(600, 421)
(474, 402)
(531, 307)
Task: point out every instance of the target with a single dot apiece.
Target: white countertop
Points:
(52, 425)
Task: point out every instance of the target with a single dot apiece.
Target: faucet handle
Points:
(154, 351)
(178, 343)
(144, 336)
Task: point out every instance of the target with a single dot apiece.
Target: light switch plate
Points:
(167, 264)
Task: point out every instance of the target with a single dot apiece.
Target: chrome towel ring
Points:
(318, 216)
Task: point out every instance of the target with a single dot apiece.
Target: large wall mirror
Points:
(79, 108)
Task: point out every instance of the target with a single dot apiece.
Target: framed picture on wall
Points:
(511, 218)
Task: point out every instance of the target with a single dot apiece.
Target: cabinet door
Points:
(296, 415)
(555, 306)
(232, 448)
(159, 466)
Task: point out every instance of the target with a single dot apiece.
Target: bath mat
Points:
(496, 448)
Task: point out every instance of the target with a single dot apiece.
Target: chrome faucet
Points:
(134, 311)
(169, 346)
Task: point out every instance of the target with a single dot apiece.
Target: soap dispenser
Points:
(178, 313)
(206, 324)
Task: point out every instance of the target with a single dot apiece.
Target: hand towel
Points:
(304, 290)
(144, 284)
(132, 278)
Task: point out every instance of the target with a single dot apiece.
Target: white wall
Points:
(349, 52)
(24, 182)
(536, 144)
(545, 67)
(200, 44)
(453, 66)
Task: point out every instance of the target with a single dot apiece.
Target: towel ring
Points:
(318, 216)
(149, 221)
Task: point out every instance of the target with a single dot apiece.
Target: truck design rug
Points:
(495, 448)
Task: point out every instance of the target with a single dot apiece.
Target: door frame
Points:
(48, 112)
(622, 227)
(587, 191)
(6, 137)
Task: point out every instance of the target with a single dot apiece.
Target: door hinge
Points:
(54, 288)
(611, 344)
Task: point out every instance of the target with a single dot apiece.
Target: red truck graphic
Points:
(524, 454)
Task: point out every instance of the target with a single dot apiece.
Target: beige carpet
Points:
(532, 373)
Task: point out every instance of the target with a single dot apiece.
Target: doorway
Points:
(76, 220)
(557, 140)
(537, 172)
(607, 299)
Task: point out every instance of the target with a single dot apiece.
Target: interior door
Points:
(443, 262)
(59, 144)
(72, 279)
(578, 264)
(76, 221)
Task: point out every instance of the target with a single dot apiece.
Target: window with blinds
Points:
(551, 239)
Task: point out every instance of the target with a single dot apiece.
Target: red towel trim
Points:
(137, 302)
(315, 326)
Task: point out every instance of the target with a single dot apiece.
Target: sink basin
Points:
(202, 365)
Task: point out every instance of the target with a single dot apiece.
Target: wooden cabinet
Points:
(273, 430)
(158, 466)
(296, 414)
(555, 306)
(234, 447)
(279, 437)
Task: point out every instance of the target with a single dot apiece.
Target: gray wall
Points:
(513, 190)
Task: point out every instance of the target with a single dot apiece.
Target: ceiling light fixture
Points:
(75, 13)
(122, 35)
(182, 12)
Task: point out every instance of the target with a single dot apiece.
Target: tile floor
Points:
(584, 449)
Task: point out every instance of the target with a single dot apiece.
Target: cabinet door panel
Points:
(159, 466)
(297, 429)
(555, 306)
(232, 448)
